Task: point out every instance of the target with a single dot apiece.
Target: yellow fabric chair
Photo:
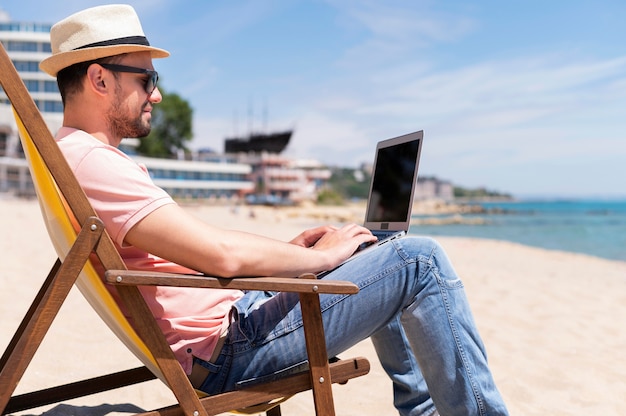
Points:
(66, 209)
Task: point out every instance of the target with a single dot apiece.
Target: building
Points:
(27, 44)
(279, 180)
(186, 179)
(433, 188)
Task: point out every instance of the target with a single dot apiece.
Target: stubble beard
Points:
(123, 124)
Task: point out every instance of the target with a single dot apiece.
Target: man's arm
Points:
(173, 234)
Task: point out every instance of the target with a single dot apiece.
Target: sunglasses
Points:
(151, 82)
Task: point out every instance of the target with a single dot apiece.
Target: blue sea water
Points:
(593, 227)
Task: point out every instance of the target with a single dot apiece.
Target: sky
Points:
(525, 97)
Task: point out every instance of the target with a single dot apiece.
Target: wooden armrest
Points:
(306, 283)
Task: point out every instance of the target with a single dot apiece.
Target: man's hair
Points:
(70, 79)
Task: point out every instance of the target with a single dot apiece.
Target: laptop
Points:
(390, 199)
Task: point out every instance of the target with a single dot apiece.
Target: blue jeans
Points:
(411, 304)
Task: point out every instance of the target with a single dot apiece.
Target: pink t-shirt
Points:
(122, 194)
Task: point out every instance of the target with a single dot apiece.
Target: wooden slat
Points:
(278, 284)
(77, 389)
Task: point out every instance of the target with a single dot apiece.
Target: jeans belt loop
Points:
(199, 373)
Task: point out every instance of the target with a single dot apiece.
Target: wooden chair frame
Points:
(93, 238)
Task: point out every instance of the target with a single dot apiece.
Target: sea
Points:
(594, 227)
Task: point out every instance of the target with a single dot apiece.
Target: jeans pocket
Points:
(218, 372)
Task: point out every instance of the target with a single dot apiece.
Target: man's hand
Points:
(344, 241)
(308, 238)
(340, 243)
(350, 234)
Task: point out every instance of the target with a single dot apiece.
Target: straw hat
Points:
(96, 33)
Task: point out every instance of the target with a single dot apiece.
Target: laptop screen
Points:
(393, 182)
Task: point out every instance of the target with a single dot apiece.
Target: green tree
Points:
(348, 184)
(330, 197)
(171, 127)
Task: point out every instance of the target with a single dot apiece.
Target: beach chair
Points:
(77, 233)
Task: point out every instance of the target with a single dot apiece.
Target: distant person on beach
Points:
(411, 302)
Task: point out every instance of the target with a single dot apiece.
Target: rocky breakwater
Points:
(439, 212)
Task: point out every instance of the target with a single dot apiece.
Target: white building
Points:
(199, 180)
(26, 44)
(277, 178)
(433, 188)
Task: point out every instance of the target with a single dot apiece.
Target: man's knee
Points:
(422, 246)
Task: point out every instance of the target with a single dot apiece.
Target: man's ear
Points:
(97, 79)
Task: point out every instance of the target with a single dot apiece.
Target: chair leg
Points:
(44, 309)
(318, 357)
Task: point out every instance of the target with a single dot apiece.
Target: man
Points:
(411, 303)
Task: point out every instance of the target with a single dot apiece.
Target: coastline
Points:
(551, 321)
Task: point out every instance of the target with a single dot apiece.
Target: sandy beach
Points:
(553, 322)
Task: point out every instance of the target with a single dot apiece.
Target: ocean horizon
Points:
(595, 227)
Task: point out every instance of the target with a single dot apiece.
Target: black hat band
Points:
(129, 40)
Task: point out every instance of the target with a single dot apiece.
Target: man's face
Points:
(129, 114)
